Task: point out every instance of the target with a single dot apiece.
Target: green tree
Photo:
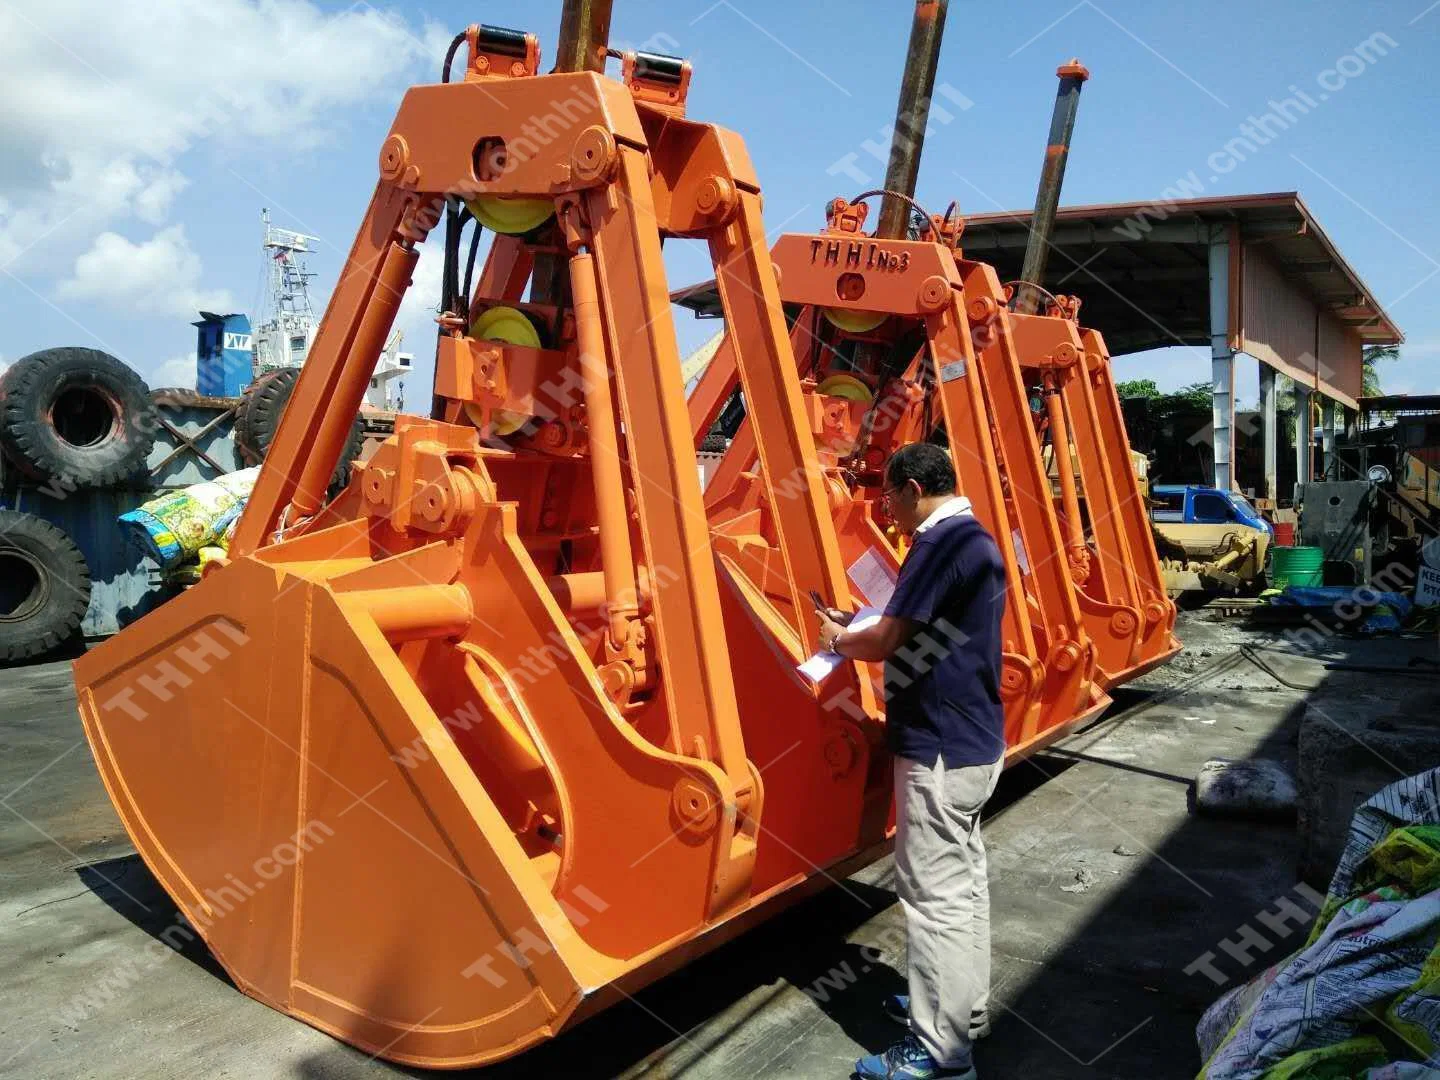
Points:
(1196, 394)
(1137, 388)
(1370, 371)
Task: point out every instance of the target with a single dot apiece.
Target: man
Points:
(940, 640)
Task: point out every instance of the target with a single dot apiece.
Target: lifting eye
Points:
(489, 160)
(850, 287)
(509, 215)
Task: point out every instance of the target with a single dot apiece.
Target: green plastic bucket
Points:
(1296, 566)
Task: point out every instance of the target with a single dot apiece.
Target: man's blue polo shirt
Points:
(942, 690)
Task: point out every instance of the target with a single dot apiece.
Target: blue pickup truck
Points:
(1193, 504)
(1208, 540)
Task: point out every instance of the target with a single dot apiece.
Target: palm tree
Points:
(1369, 371)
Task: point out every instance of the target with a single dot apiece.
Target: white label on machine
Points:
(1020, 557)
(1427, 589)
(873, 577)
(819, 666)
(952, 371)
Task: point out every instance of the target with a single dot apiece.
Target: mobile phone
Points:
(817, 601)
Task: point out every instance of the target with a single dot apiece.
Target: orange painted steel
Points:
(511, 728)
(1092, 610)
(1122, 593)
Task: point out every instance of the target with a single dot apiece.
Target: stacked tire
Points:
(75, 418)
(70, 419)
(44, 587)
(257, 419)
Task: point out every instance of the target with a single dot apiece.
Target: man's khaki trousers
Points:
(940, 876)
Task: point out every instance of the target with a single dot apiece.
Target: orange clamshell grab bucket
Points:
(1092, 610)
(457, 759)
(513, 726)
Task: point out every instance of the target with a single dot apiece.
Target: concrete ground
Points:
(1112, 907)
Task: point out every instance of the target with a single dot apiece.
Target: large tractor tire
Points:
(78, 417)
(257, 419)
(44, 586)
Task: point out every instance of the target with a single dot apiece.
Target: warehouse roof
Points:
(1142, 268)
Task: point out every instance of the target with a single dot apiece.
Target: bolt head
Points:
(980, 309)
(934, 291)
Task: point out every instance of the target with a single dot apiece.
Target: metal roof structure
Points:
(1404, 404)
(1141, 267)
(1245, 274)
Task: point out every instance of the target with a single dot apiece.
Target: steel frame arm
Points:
(322, 407)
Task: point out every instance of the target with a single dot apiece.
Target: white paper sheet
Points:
(871, 574)
(819, 666)
(1021, 558)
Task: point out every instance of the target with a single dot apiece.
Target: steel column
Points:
(1052, 176)
(1222, 358)
(584, 35)
(912, 113)
(1270, 431)
(1304, 436)
(1327, 437)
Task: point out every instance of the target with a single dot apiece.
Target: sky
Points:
(141, 139)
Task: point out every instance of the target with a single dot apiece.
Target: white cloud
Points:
(103, 103)
(160, 276)
(177, 371)
(152, 204)
(422, 300)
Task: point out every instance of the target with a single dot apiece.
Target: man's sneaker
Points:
(897, 1008)
(908, 1060)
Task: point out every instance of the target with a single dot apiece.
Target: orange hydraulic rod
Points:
(1078, 553)
(690, 635)
(617, 561)
(415, 611)
(338, 420)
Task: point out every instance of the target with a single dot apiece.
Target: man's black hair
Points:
(929, 466)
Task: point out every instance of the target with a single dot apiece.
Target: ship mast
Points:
(287, 321)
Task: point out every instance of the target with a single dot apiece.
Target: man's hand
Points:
(830, 626)
(878, 641)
